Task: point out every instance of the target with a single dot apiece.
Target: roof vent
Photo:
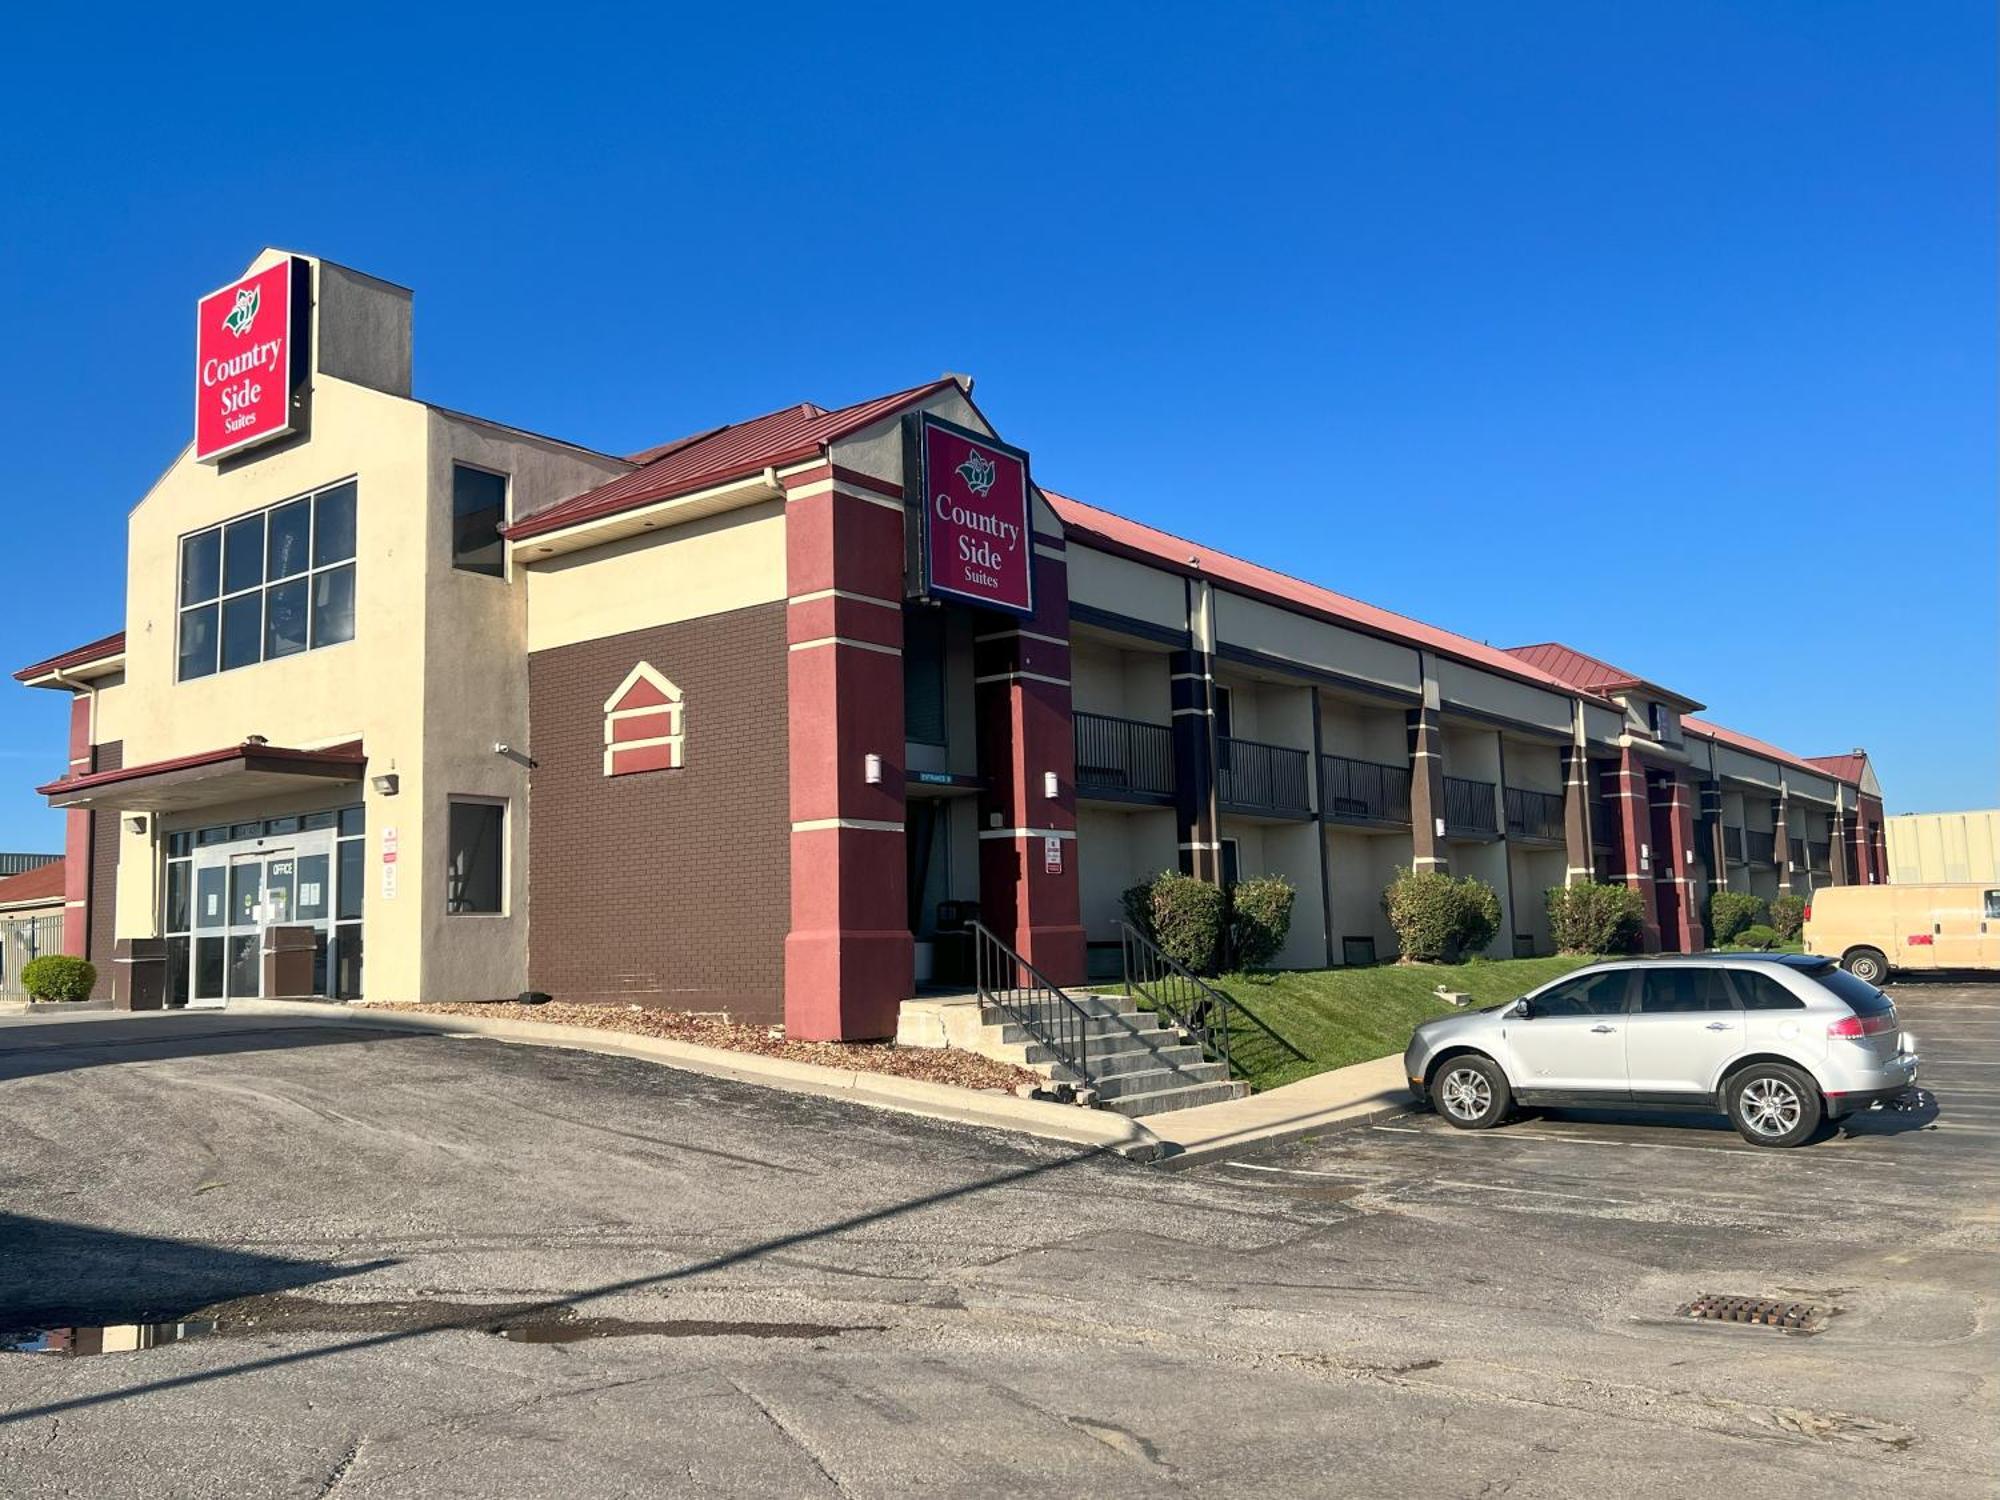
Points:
(964, 380)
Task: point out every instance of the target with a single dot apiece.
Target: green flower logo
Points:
(244, 313)
(977, 472)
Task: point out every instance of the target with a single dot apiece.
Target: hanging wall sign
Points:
(978, 540)
(250, 360)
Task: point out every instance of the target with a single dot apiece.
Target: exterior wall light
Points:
(136, 824)
(871, 769)
(1051, 787)
(386, 784)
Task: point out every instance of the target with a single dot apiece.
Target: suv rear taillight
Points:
(1856, 1027)
(1808, 912)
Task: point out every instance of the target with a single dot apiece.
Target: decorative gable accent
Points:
(644, 724)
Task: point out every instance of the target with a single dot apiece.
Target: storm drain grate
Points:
(1764, 1312)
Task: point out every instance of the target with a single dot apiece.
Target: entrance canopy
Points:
(239, 773)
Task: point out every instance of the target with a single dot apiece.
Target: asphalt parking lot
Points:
(790, 1296)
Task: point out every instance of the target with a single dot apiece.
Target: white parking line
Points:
(1251, 1166)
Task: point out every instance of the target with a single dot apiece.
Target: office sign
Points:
(250, 360)
(978, 539)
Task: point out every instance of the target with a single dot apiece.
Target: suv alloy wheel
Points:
(1771, 1104)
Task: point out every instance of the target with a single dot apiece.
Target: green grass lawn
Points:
(1341, 1016)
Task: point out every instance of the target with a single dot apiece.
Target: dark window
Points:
(179, 845)
(208, 968)
(1860, 996)
(179, 904)
(179, 949)
(1992, 905)
(268, 585)
(472, 860)
(1667, 991)
(353, 822)
(348, 889)
(347, 962)
(1225, 715)
(1762, 992)
(333, 606)
(242, 630)
(312, 899)
(197, 641)
(201, 567)
(1592, 995)
(1232, 862)
(478, 509)
(208, 893)
(291, 539)
(923, 676)
(333, 525)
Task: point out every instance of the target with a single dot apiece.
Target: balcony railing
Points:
(1533, 815)
(1761, 848)
(1254, 777)
(1363, 791)
(1732, 844)
(1819, 856)
(1468, 807)
(1124, 758)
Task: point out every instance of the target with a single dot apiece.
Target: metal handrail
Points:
(1123, 755)
(1468, 806)
(1191, 1003)
(1363, 791)
(1039, 1006)
(1532, 814)
(1268, 778)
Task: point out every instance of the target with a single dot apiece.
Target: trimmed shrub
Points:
(1788, 917)
(1600, 918)
(1260, 916)
(1439, 919)
(1136, 901)
(1729, 912)
(1757, 935)
(57, 976)
(1189, 916)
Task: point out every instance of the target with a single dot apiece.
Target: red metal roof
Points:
(742, 448)
(349, 753)
(1576, 667)
(1841, 767)
(1739, 741)
(43, 883)
(110, 645)
(1183, 556)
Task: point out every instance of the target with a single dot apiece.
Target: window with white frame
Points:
(475, 862)
(273, 583)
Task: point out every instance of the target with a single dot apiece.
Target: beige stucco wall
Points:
(1117, 848)
(1488, 862)
(1294, 637)
(1127, 684)
(1359, 867)
(1124, 587)
(1534, 765)
(1488, 692)
(1363, 731)
(705, 567)
(430, 683)
(1535, 872)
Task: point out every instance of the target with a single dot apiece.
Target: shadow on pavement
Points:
(34, 1048)
(52, 1272)
(482, 1318)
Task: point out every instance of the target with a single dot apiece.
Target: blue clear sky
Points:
(1509, 317)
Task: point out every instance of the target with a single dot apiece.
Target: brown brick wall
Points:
(666, 888)
(104, 873)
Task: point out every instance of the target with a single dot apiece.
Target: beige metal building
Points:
(1935, 848)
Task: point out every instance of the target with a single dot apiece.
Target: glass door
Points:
(238, 893)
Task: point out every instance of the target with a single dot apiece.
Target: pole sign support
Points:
(974, 539)
(251, 360)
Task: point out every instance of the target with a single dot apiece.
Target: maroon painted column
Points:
(849, 957)
(1836, 848)
(1635, 825)
(1781, 841)
(1028, 890)
(1693, 935)
(1576, 817)
(76, 837)
(1428, 850)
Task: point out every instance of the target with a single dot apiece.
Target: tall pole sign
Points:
(250, 360)
(977, 536)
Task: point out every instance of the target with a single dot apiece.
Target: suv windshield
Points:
(1859, 995)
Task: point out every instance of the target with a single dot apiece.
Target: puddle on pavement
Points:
(107, 1338)
(517, 1322)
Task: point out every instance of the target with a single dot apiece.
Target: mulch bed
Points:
(966, 1070)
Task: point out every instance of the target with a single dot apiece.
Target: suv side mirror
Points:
(1524, 1009)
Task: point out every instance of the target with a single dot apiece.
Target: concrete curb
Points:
(1174, 1156)
(937, 1101)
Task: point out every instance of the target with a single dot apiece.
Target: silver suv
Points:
(1777, 1042)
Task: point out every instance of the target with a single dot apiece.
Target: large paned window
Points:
(474, 861)
(267, 585)
(478, 511)
(923, 676)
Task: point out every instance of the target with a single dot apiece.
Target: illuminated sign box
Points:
(977, 537)
(250, 360)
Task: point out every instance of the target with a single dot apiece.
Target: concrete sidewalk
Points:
(1340, 1099)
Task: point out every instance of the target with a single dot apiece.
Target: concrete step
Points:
(1109, 1064)
(1090, 1005)
(1161, 1100)
(1124, 1030)
(1155, 1080)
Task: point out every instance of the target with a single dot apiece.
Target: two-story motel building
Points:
(408, 704)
